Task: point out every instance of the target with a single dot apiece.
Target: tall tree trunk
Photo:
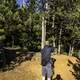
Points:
(53, 35)
(59, 49)
(43, 31)
(53, 21)
(44, 25)
(54, 44)
(59, 43)
(70, 50)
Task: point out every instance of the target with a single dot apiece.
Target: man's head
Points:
(47, 43)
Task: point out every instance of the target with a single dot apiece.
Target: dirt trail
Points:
(31, 70)
(61, 67)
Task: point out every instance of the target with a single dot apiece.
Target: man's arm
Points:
(52, 48)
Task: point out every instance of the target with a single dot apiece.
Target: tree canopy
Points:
(21, 26)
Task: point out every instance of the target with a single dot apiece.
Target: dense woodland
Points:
(24, 30)
(28, 26)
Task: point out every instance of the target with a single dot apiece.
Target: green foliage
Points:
(75, 54)
(22, 26)
(66, 14)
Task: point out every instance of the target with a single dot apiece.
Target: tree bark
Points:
(43, 31)
(71, 50)
(53, 21)
(59, 43)
(44, 25)
(54, 44)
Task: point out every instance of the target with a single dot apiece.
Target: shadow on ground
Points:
(10, 58)
(76, 68)
(58, 77)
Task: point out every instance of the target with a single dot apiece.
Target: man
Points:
(46, 61)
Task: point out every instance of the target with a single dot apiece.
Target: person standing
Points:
(46, 61)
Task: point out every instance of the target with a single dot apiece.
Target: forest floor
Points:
(31, 70)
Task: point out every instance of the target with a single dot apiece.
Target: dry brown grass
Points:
(31, 70)
(62, 68)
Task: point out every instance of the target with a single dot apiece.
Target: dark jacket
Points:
(46, 55)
